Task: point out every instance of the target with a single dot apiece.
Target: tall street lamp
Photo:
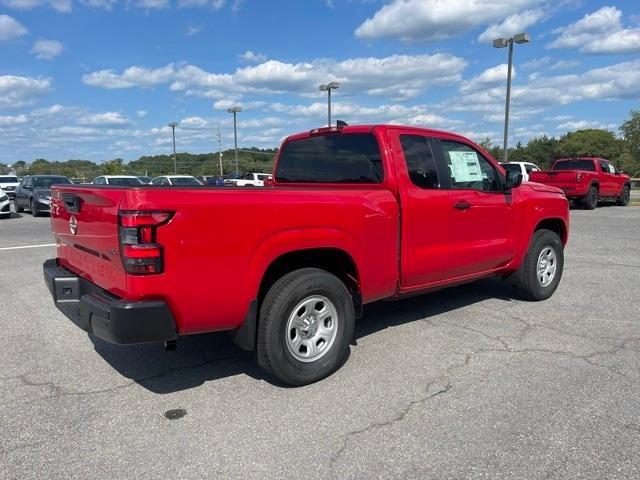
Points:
(173, 126)
(327, 88)
(501, 43)
(235, 110)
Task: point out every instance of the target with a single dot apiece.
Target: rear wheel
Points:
(541, 270)
(590, 202)
(623, 199)
(306, 323)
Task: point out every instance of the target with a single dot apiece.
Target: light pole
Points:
(327, 88)
(501, 43)
(173, 126)
(235, 111)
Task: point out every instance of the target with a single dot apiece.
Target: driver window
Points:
(469, 169)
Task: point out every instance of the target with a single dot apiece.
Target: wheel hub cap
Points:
(312, 328)
(546, 266)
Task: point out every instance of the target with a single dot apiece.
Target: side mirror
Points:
(513, 180)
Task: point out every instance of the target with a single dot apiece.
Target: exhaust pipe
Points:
(170, 345)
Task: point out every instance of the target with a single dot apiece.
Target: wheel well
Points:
(555, 225)
(333, 260)
(596, 184)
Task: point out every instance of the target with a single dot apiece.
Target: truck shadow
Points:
(207, 357)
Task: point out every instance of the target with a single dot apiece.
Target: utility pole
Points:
(235, 110)
(501, 43)
(220, 151)
(327, 88)
(173, 130)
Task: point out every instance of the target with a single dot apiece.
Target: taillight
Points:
(137, 235)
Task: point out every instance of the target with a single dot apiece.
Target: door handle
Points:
(462, 205)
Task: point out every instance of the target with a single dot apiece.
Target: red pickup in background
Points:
(587, 180)
(355, 214)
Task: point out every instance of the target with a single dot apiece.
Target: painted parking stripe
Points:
(22, 247)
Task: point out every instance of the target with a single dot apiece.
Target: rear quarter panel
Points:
(221, 241)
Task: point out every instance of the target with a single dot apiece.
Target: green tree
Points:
(590, 143)
(113, 167)
(630, 130)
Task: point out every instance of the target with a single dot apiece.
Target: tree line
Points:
(623, 150)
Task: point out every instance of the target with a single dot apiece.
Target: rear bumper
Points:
(111, 318)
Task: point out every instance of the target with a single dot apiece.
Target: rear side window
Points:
(334, 158)
(420, 162)
(575, 165)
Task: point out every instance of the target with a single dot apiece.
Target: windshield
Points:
(334, 158)
(575, 165)
(185, 181)
(8, 179)
(46, 182)
(122, 181)
(511, 167)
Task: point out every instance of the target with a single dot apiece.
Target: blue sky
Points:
(99, 79)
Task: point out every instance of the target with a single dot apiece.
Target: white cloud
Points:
(132, 76)
(584, 124)
(515, 23)
(548, 63)
(141, 113)
(107, 119)
(151, 4)
(105, 4)
(47, 49)
(58, 5)
(600, 32)
(18, 91)
(10, 28)
(614, 82)
(10, 120)
(396, 76)
(489, 78)
(193, 122)
(430, 20)
(194, 29)
(252, 57)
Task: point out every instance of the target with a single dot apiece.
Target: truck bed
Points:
(216, 242)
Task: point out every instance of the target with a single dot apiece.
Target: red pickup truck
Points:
(355, 214)
(587, 180)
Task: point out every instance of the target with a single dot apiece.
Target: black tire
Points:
(16, 207)
(34, 210)
(625, 195)
(590, 202)
(525, 280)
(273, 353)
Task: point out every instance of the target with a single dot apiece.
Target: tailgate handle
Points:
(71, 202)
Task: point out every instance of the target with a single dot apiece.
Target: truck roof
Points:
(369, 128)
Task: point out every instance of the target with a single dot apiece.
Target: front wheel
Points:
(305, 326)
(17, 208)
(623, 199)
(541, 270)
(34, 209)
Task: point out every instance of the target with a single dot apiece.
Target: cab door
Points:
(608, 179)
(424, 210)
(482, 222)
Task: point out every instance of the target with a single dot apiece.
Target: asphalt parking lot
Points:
(462, 383)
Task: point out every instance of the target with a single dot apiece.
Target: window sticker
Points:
(465, 166)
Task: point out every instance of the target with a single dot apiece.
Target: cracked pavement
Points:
(462, 383)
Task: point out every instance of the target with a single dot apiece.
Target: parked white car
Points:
(5, 205)
(120, 180)
(176, 181)
(525, 168)
(9, 183)
(249, 180)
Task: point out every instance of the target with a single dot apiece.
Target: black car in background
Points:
(34, 193)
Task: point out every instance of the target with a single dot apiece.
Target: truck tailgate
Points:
(84, 221)
(560, 178)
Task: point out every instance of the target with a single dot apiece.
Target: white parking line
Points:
(28, 246)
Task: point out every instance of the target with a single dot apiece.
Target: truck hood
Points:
(540, 187)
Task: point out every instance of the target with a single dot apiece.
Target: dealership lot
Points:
(462, 383)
